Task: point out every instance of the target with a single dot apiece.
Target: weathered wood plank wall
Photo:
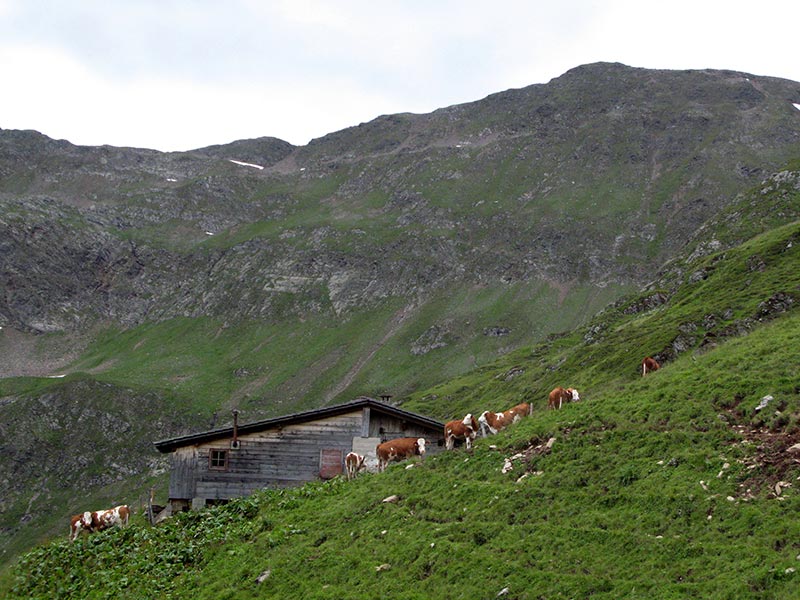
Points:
(284, 456)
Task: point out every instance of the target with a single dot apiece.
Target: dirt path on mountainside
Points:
(394, 326)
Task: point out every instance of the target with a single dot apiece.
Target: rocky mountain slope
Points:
(592, 177)
(385, 257)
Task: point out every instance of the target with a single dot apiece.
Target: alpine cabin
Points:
(214, 466)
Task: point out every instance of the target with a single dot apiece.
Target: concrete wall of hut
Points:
(284, 456)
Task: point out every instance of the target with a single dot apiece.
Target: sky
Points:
(184, 74)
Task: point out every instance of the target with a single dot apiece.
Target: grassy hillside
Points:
(189, 373)
(669, 486)
(265, 367)
(76, 443)
(192, 371)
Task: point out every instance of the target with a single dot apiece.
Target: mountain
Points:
(589, 178)
(152, 292)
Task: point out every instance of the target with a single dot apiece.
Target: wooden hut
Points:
(214, 466)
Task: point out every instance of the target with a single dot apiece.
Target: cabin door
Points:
(330, 463)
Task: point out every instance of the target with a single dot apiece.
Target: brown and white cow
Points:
(399, 449)
(353, 463)
(520, 410)
(560, 396)
(649, 364)
(493, 422)
(98, 520)
(466, 429)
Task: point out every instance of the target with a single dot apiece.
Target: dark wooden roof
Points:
(171, 444)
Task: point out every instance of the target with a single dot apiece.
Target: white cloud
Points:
(61, 97)
(686, 34)
(180, 74)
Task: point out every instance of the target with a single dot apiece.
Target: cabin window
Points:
(218, 460)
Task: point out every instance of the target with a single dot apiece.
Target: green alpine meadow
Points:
(672, 485)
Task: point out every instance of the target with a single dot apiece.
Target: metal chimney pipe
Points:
(235, 427)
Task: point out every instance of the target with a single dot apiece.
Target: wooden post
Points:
(150, 516)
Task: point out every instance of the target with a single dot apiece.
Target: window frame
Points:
(214, 456)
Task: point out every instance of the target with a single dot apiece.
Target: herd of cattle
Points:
(466, 429)
(394, 450)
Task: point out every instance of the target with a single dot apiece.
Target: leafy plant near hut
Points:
(668, 486)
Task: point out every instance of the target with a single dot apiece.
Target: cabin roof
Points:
(171, 444)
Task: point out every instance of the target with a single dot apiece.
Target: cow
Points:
(560, 396)
(399, 449)
(649, 364)
(519, 411)
(465, 429)
(494, 422)
(98, 520)
(353, 463)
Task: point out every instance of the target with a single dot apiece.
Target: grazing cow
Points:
(399, 449)
(466, 429)
(560, 396)
(98, 520)
(353, 463)
(520, 410)
(649, 364)
(494, 422)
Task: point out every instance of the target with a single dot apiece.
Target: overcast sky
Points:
(182, 74)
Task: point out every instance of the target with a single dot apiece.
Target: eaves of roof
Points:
(171, 444)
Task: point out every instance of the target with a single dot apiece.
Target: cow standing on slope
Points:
(520, 410)
(649, 364)
(492, 422)
(353, 463)
(98, 520)
(560, 396)
(399, 449)
(466, 429)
